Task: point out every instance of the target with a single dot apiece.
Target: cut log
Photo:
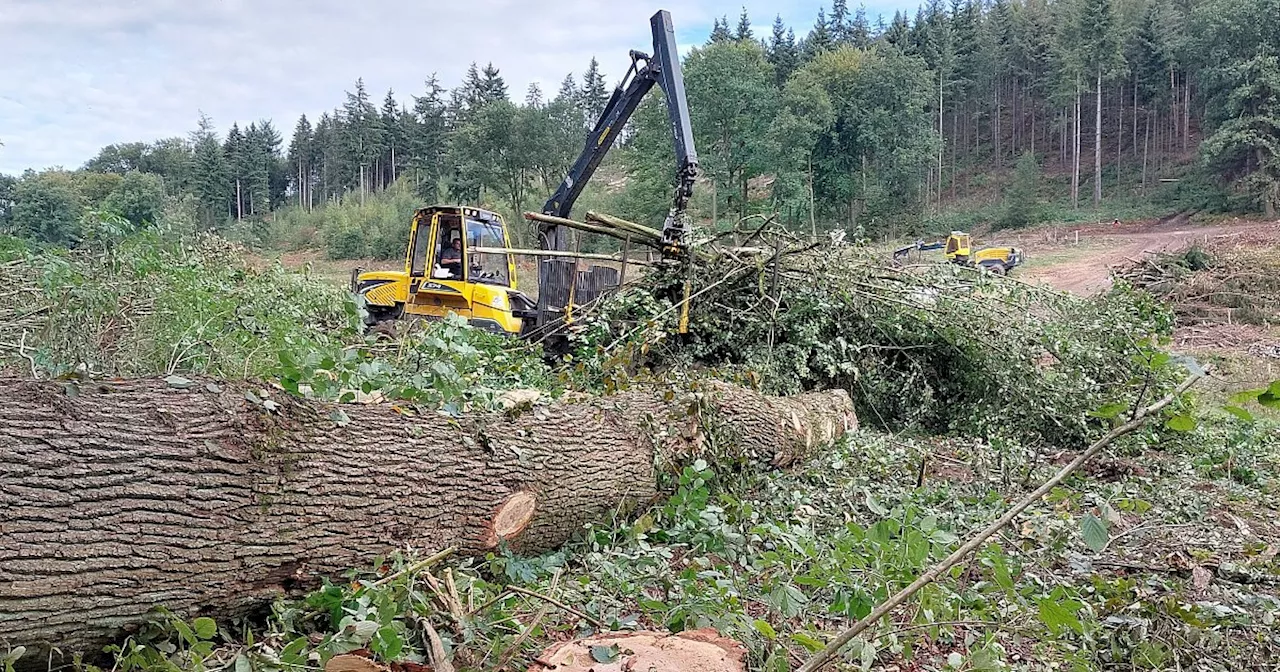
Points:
(212, 499)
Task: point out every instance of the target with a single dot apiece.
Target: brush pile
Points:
(1216, 284)
(936, 347)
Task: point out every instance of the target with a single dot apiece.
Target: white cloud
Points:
(80, 74)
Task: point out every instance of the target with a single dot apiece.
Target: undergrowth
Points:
(782, 561)
(151, 305)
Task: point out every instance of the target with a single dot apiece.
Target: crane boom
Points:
(663, 69)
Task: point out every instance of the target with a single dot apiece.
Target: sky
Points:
(76, 75)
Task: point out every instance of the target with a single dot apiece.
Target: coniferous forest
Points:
(871, 124)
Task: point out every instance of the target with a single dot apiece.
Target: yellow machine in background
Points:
(457, 261)
(957, 249)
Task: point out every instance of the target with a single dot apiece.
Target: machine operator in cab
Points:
(451, 255)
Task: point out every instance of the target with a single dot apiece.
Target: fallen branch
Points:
(524, 591)
(825, 656)
(415, 567)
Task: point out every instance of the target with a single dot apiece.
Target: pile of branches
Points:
(936, 347)
(1217, 284)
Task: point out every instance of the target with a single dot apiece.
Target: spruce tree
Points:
(744, 27)
(720, 31)
(782, 52)
(209, 174)
(593, 95)
(300, 150)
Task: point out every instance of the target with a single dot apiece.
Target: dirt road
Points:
(1085, 267)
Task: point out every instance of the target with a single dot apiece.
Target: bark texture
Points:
(117, 497)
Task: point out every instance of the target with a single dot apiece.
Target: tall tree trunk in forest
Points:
(1119, 132)
(1097, 146)
(1146, 148)
(955, 140)
(239, 202)
(136, 494)
(1173, 111)
(942, 145)
(1134, 145)
(813, 215)
(1075, 168)
(1186, 112)
(996, 154)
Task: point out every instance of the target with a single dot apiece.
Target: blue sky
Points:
(81, 74)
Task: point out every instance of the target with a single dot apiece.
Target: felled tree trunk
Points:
(212, 499)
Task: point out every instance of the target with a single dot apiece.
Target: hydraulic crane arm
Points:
(661, 68)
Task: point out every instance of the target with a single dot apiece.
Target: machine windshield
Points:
(487, 267)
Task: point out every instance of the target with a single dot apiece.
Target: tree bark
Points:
(126, 495)
(1075, 170)
(1097, 146)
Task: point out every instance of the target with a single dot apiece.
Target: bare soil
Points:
(1084, 267)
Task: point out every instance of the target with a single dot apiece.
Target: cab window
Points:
(487, 267)
(421, 239)
(448, 252)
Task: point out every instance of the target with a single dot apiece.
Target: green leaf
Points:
(955, 660)
(1239, 413)
(1109, 411)
(1181, 423)
(763, 627)
(1094, 531)
(184, 631)
(1269, 399)
(339, 416)
(1057, 617)
(605, 654)
(243, 664)
(807, 642)
(205, 627)
(293, 652)
(1246, 396)
(179, 382)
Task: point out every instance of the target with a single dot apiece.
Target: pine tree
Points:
(744, 27)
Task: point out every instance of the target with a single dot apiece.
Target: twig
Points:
(504, 657)
(22, 350)
(524, 591)
(826, 655)
(415, 567)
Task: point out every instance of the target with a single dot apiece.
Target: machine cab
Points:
(459, 245)
(957, 247)
(458, 260)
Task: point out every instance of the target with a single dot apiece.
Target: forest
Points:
(783, 447)
(880, 126)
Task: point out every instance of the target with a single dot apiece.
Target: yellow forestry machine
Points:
(957, 249)
(459, 259)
